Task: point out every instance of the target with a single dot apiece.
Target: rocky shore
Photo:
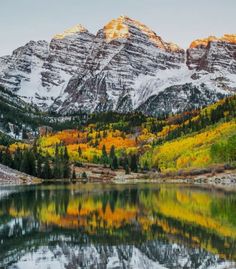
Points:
(222, 179)
(225, 181)
(9, 176)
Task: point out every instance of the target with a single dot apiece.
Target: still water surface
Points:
(144, 226)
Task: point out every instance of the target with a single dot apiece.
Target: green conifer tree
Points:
(112, 152)
(104, 157)
(47, 173)
(134, 163)
(80, 151)
(114, 164)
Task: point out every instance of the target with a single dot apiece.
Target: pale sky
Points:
(179, 21)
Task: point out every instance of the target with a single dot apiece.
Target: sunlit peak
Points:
(230, 38)
(116, 29)
(71, 31)
(120, 28)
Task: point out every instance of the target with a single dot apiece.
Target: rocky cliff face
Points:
(122, 51)
(209, 75)
(179, 98)
(20, 72)
(39, 72)
(67, 54)
(213, 54)
(125, 67)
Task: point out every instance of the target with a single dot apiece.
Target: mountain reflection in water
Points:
(146, 226)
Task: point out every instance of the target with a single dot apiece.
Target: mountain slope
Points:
(17, 118)
(20, 72)
(16, 114)
(209, 75)
(39, 71)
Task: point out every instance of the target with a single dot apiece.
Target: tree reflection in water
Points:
(164, 225)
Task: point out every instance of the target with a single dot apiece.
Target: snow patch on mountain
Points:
(146, 86)
(221, 82)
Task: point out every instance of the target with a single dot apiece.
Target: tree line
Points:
(33, 162)
(127, 162)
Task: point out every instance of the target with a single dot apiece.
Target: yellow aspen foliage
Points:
(190, 151)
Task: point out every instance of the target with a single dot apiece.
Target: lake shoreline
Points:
(11, 177)
(225, 180)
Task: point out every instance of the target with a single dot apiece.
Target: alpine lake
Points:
(117, 226)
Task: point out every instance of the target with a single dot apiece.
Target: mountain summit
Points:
(126, 28)
(123, 26)
(77, 29)
(227, 38)
(126, 66)
(117, 29)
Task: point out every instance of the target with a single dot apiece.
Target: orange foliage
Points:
(118, 142)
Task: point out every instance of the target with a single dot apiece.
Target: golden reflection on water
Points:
(191, 217)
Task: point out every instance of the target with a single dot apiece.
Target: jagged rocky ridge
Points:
(125, 67)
